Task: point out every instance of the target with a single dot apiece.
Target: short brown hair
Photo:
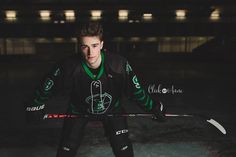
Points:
(91, 28)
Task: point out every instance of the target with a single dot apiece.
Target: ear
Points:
(101, 44)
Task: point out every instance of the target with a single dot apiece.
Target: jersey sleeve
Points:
(46, 89)
(136, 92)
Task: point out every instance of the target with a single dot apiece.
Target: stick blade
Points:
(217, 125)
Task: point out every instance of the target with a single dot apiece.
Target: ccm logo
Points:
(35, 108)
(122, 132)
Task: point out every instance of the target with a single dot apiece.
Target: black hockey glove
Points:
(35, 114)
(159, 113)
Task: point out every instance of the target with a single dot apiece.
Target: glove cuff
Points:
(35, 108)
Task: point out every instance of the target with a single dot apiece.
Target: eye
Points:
(83, 47)
(95, 45)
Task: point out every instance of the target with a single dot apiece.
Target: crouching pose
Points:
(97, 81)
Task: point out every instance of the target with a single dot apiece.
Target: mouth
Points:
(91, 57)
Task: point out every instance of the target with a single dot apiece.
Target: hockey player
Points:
(96, 81)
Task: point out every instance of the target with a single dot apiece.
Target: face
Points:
(91, 49)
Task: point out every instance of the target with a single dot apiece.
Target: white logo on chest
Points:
(99, 101)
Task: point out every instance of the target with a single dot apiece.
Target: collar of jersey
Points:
(90, 74)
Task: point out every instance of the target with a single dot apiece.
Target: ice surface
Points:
(140, 150)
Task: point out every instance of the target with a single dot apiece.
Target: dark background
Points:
(205, 73)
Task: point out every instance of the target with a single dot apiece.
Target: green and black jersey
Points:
(99, 93)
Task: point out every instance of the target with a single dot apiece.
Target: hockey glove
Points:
(159, 113)
(34, 114)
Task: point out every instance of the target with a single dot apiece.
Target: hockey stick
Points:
(209, 120)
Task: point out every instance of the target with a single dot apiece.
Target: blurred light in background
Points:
(118, 39)
(180, 14)
(151, 39)
(215, 15)
(135, 39)
(147, 16)
(70, 15)
(96, 14)
(131, 21)
(45, 15)
(11, 15)
(123, 15)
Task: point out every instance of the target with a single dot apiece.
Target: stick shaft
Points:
(56, 116)
(61, 116)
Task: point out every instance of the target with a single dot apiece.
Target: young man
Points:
(96, 82)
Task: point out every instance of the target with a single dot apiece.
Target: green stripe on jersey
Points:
(142, 98)
(138, 92)
(117, 103)
(90, 74)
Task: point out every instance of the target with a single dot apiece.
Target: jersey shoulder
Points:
(115, 62)
(68, 64)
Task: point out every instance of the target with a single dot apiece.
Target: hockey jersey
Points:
(93, 94)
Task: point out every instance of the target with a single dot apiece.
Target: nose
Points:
(89, 51)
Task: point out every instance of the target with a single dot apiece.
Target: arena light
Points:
(131, 21)
(11, 15)
(73, 39)
(215, 15)
(62, 21)
(135, 39)
(70, 15)
(147, 16)
(123, 15)
(180, 14)
(58, 39)
(151, 39)
(96, 14)
(119, 39)
(45, 15)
